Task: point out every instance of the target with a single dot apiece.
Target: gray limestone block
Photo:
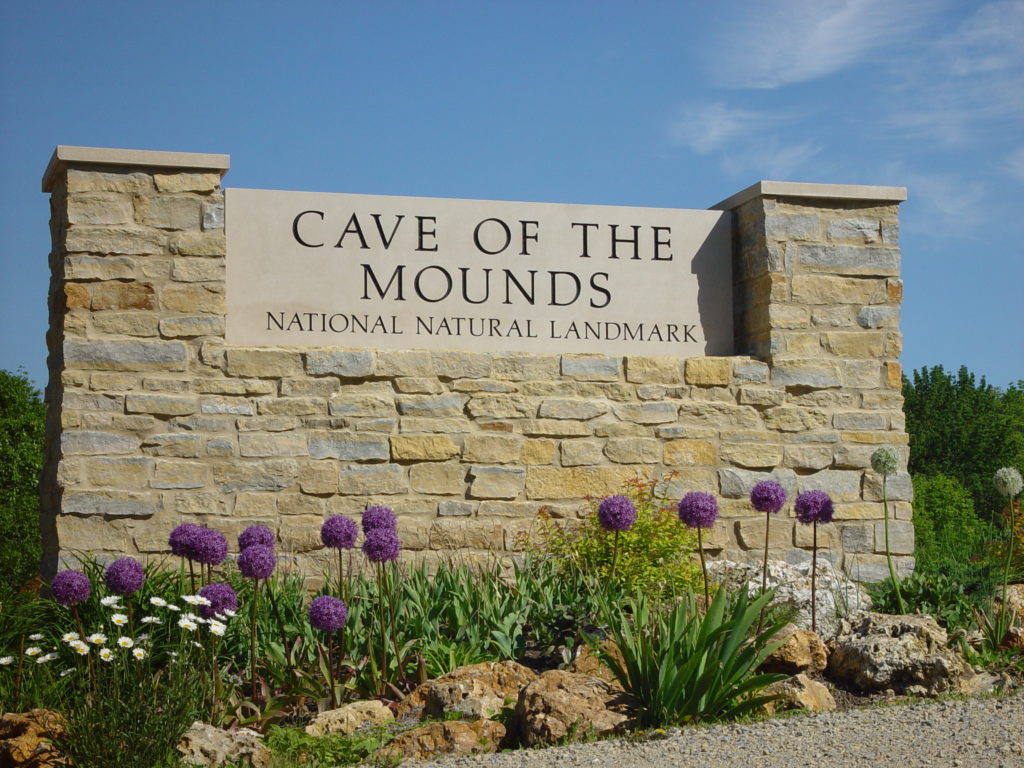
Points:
(737, 483)
(850, 257)
(351, 363)
(126, 354)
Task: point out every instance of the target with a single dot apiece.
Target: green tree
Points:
(964, 429)
(22, 428)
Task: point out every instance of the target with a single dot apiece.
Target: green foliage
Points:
(950, 539)
(683, 667)
(965, 429)
(22, 427)
(656, 556)
(950, 602)
(335, 749)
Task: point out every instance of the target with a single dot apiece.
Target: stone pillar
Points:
(136, 295)
(817, 296)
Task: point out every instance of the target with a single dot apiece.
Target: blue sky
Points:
(667, 104)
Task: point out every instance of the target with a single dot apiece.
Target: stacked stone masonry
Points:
(154, 421)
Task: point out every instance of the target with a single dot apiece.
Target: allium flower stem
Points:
(888, 552)
(814, 576)
(764, 571)
(382, 609)
(1003, 624)
(17, 675)
(252, 638)
(615, 556)
(704, 568)
(192, 576)
(81, 633)
(330, 669)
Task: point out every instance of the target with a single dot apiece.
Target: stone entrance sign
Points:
(192, 378)
(308, 269)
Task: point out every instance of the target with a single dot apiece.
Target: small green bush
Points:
(657, 556)
(334, 749)
(950, 538)
(950, 602)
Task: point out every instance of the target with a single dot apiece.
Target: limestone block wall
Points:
(154, 421)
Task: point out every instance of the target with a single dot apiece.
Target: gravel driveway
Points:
(972, 733)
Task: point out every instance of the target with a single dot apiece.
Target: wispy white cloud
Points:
(1015, 164)
(947, 204)
(770, 159)
(707, 127)
(773, 43)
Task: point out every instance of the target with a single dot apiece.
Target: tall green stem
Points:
(704, 569)
(1006, 571)
(888, 552)
(615, 557)
(764, 569)
(814, 578)
(252, 638)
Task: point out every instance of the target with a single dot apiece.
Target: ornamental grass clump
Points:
(813, 507)
(699, 510)
(617, 514)
(885, 462)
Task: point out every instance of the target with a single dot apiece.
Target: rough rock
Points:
(474, 691)
(350, 717)
(800, 692)
(801, 651)
(455, 737)
(904, 654)
(205, 745)
(837, 595)
(25, 739)
(559, 705)
(1015, 601)
(589, 663)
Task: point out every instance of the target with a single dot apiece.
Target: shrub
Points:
(950, 602)
(656, 555)
(950, 539)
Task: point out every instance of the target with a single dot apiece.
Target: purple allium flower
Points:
(328, 614)
(339, 532)
(813, 507)
(124, 576)
(256, 534)
(768, 496)
(616, 513)
(183, 539)
(698, 509)
(210, 548)
(378, 517)
(71, 588)
(381, 545)
(257, 562)
(222, 598)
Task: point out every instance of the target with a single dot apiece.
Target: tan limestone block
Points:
(74, 379)
(121, 295)
(266, 423)
(458, 534)
(76, 295)
(171, 474)
(268, 475)
(689, 453)
(854, 343)
(575, 482)
(319, 478)
(653, 370)
(187, 182)
(422, 448)
(576, 453)
(421, 385)
(169, 211)
(862, 510)
(873, 438)
(299, 504)
(709, 371)
(788, 316)
(829, 536)
(803, 343)
(412, 424)
(451, 365)
(300, 533)
(394, 363)
(893, 375)
(266, 444)
(219, 386)
(633, 450)
(892, 344)
(99, 268)
(99, 208)
(292, 406)
(161, 405)
(894, 290)
(79, 181)
(369, 405)
(492, 449)
(621, 429)
(198, 269)
(807, 456)
(750, 532)
(93, 534)
(256, 505)
(441, 479)
(117, 241)
(611, 390)
(719, 415)
(752, 455)
(832, 290)
(538, 452)
(156, 269)
(490, 482)
(555, 428)
(761, 397)
(126, 323)
(194, 297)
(785, 418)
(198, 243)
(387, 479)
(499, 406)
(523, 366)
(195, 503)
(571, 409)
(126, 472)
(265, 363)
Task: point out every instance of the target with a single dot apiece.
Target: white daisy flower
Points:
(173, 607)
(97, 638)
(106, 654)
(151, 620)
(67, 672)
(159, 602)
(112, 601)
(119, 619)
(36, 637)
(142, 638)
(70, 637)
(186, 623)
(47, 658)
(197, 644)
(195, 600)
(193, 617)
(79, 647)
(217, 628)
(33, 650)
(125, 642)
(139, 654)
(229, 613)
(6, 660)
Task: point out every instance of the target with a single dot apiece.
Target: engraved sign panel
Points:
(318, 269)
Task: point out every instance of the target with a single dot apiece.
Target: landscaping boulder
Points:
(801, 651)
(560, 705)
(26, 739)
(477, 691)
(205, 745)
(1014, 601)
(350, 717)
(799, 692)
(454, 737)
(836, 594)
(902, 654)
(589, 663)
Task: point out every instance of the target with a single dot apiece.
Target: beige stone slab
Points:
(813, 191)
(64, 155)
